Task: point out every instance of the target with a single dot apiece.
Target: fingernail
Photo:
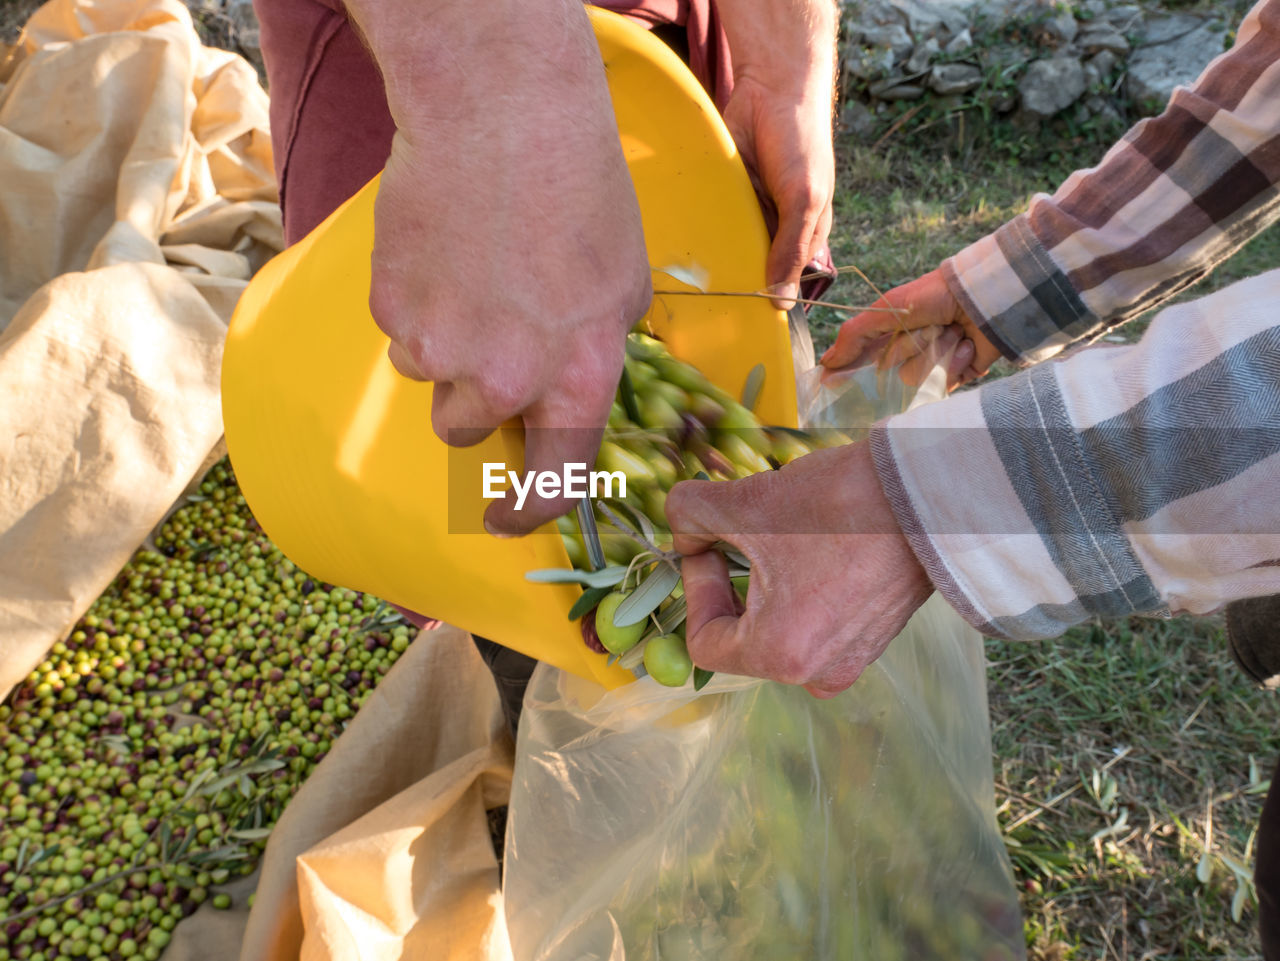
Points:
(495, 532)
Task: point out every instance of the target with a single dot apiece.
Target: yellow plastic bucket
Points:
(334, 450)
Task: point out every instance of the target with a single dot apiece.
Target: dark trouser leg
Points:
(1253, 630)
(511, 671)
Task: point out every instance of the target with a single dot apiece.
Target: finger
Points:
(712, 627)
(455, 420)
(915, 370)
(548, 449)
(798, 220)
(822, 693)
(923, 302)
(961, 360)
(461, 413)
(404, 363)
(863, 334)
(835, 678)
(908, 344)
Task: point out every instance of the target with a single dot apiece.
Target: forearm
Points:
(1180, 193)
(446, 61)
(792, 41)
(1136, 479)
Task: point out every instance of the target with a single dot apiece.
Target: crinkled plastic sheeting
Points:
(753, 821)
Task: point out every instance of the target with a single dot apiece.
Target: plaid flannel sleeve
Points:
(1177, 195)
(1119, 480)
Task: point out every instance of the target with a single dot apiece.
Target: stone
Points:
(1169, 28)
(932, 18)
(960, 43)
(868, 64)
(1060, 29)
(1104, 61)
(1124, 17)
(893, 36)
(245, 31)
(1104, 37)
(923, 55)
(1173, 53)
(857, 119)
(949, 78)
(873, 13)
(903, 91)
(1051, 85)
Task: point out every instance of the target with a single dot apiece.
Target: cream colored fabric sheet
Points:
(136, 199)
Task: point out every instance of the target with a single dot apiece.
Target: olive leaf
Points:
(1237, 902)
(633, 658)
(606, 577)
(653, 590)
(753, 386)
(627, 394)
(640, 521)
(587, 601)
(228, 852)
(673, 616)
(1204, 869)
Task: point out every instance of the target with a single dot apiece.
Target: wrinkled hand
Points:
(910, 325)
(509, 258)
(833, 580)
(789, 147)
(780, 115)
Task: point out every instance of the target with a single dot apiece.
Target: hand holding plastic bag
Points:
(753, 821)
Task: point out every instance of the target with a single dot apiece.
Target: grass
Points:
(1131, 758)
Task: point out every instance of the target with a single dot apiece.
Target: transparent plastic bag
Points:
(854, 398)
(751, 821)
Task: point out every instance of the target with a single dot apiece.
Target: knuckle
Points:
(790, 665)
(387, 305)
(506, 395)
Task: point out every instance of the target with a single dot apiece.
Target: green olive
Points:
(616, 640)
(666, 658)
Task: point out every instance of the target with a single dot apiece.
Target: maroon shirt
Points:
(329, 118)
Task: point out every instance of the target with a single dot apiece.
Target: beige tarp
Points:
(136, 199)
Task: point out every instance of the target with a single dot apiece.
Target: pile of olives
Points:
(149, 754)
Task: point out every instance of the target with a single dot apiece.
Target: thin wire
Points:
(853, 309)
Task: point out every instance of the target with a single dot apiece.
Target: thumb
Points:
(798, 221)
(713, 622)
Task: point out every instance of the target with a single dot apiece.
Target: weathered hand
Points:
(779, 115)
(901, 327)
(833, 580)
(509, 259)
